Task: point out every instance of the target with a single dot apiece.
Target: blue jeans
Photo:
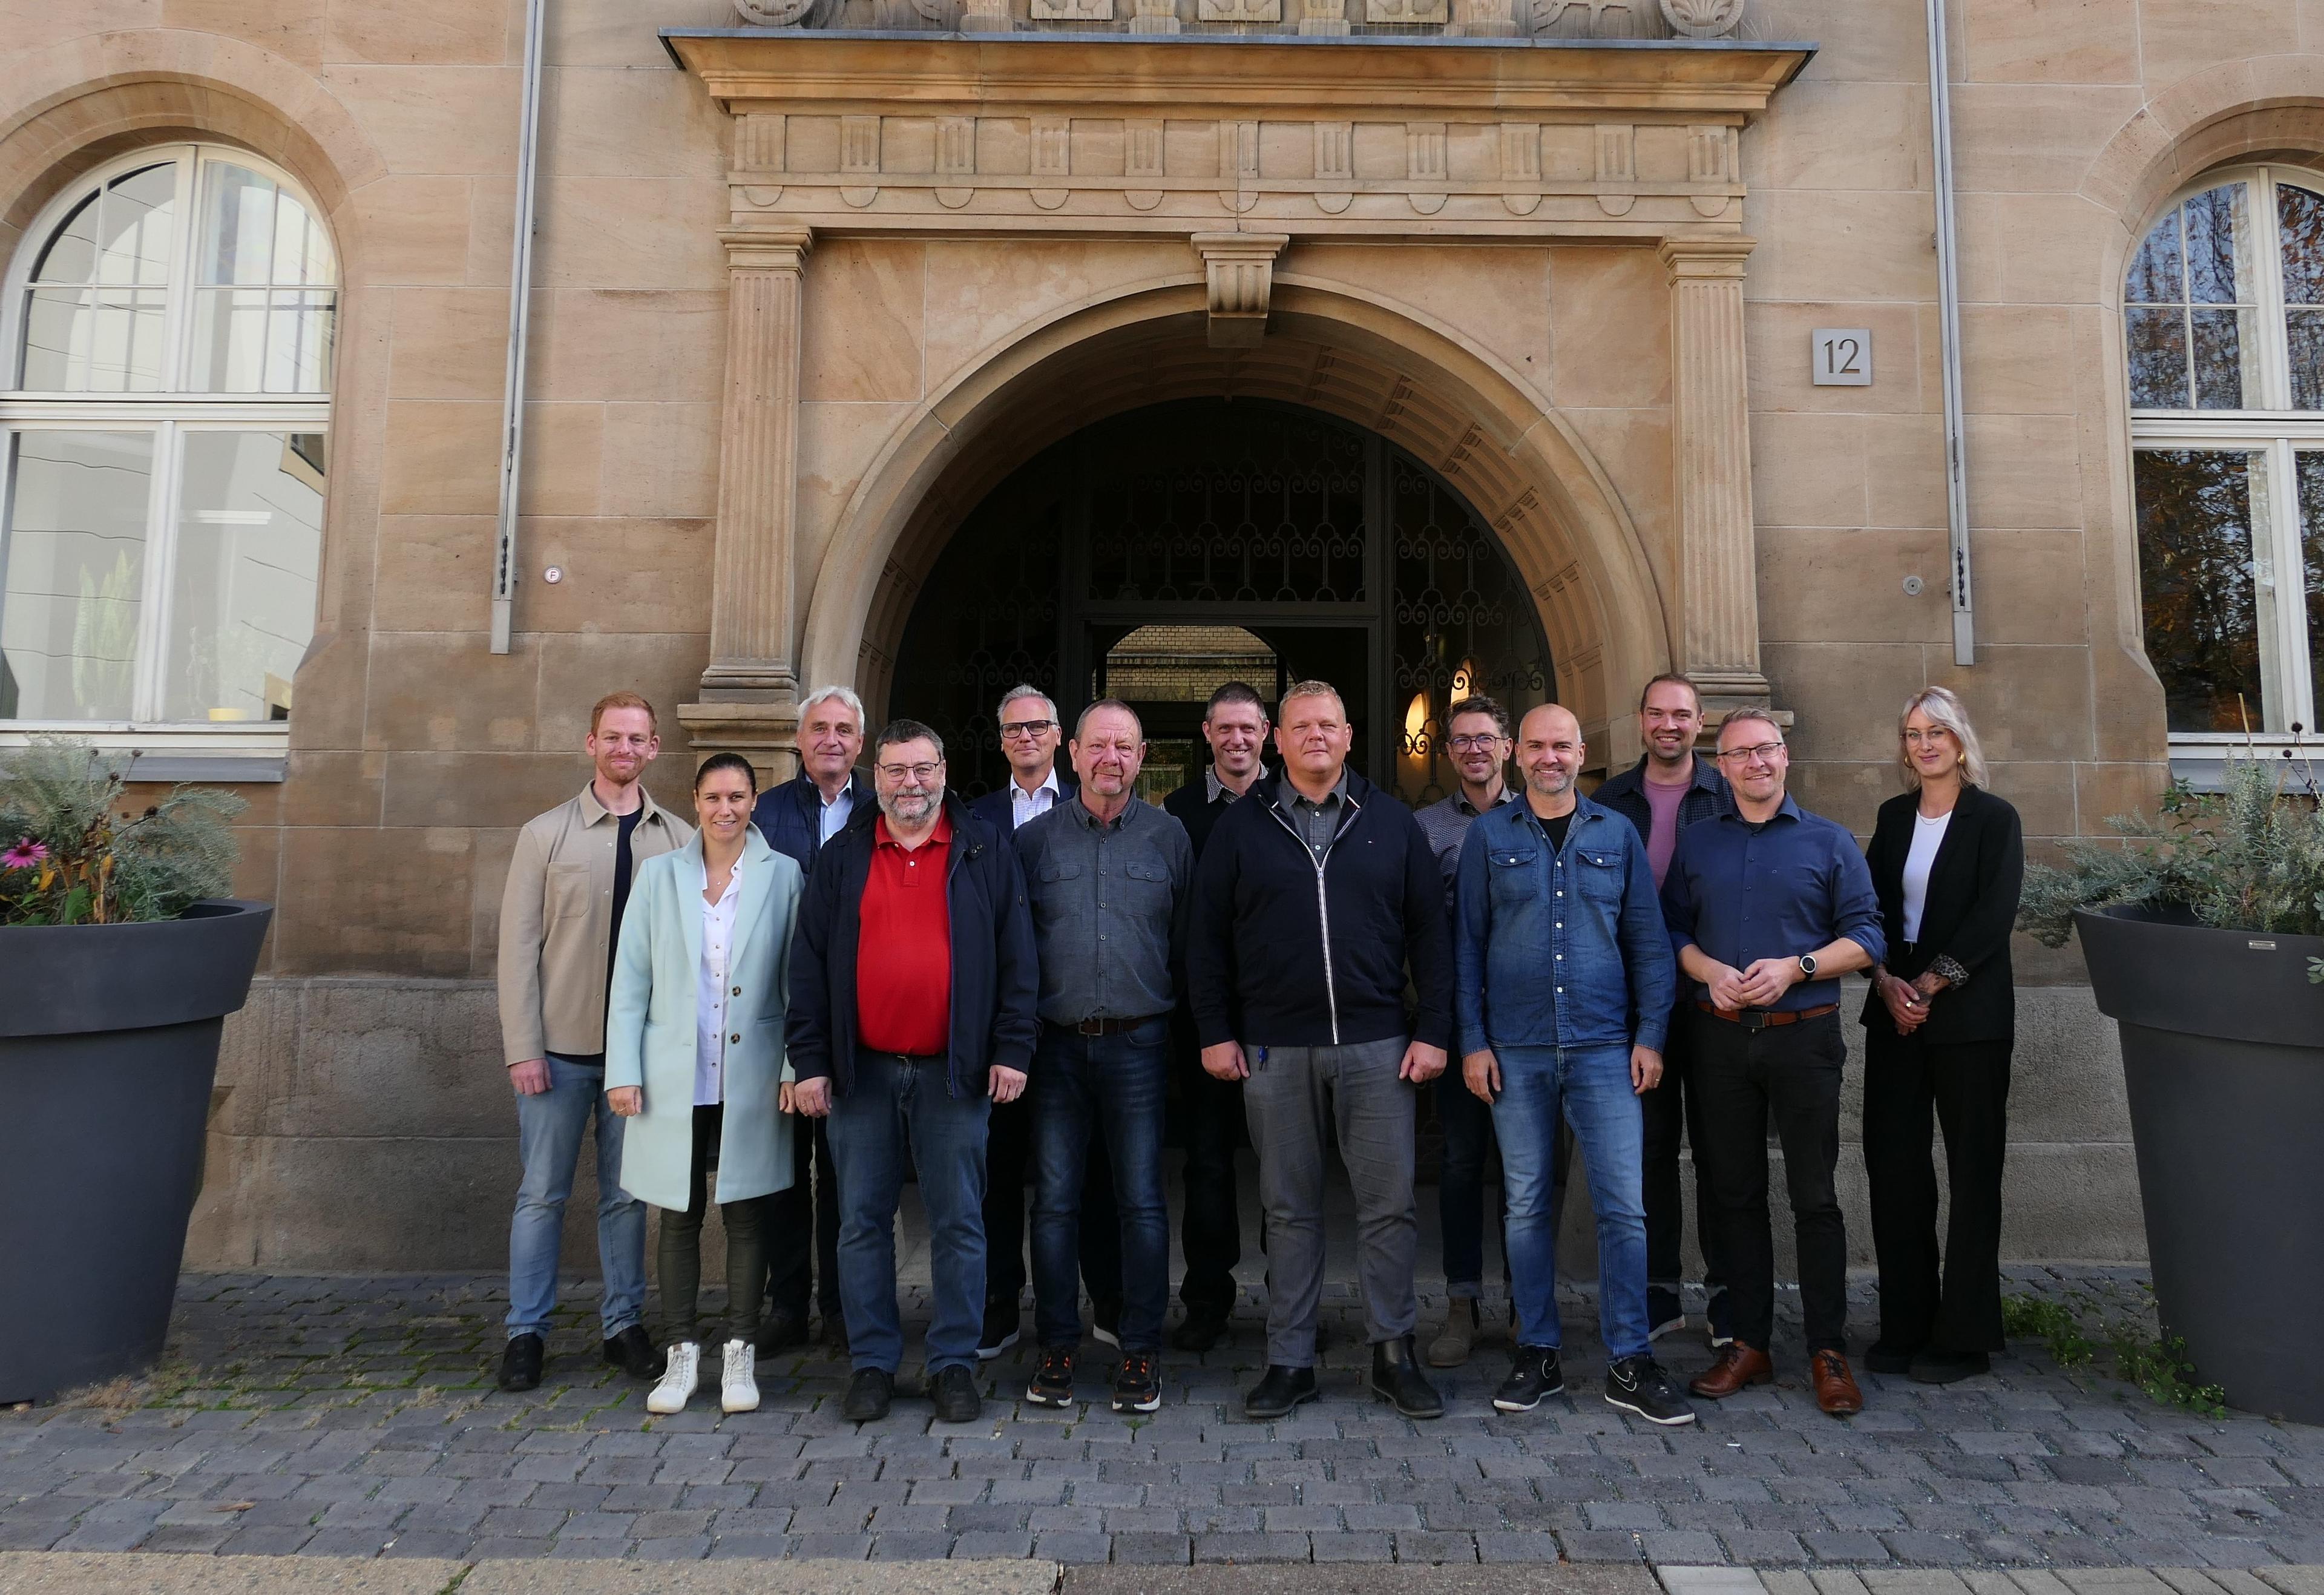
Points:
(901, 1111)
(549, 1131)
(1590, 1087)
(1113, 1086)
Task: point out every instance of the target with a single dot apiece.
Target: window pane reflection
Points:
(2310, 487)
(2299, 217)
(2183, 349)
(242, 597)
(93, 319)
(2204, 586)
(74, 553)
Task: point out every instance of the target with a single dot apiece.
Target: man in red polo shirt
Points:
(913, 1010)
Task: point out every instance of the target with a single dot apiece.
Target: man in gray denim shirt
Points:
(1110, 880)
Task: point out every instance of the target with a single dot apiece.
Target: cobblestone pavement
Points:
(355, 1416)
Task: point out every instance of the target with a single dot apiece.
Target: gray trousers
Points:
(1293, 1098)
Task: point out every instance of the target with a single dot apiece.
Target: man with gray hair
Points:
(1030, 736)
(1314, 893)
(796, 818)
(913, 1010)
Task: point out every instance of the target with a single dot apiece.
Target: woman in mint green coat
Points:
(695, 1060)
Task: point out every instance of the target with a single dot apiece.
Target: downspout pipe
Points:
(504, 569)
(1941, 119)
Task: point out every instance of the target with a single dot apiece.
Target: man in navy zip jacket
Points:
(1315, 891)
(913, 1007)
(796, 818)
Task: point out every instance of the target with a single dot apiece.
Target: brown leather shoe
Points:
(1738, 1365)
(1835, 1387)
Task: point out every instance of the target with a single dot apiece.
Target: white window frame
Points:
(2276, 432)
(169, 415)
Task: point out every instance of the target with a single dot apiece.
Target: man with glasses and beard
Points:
(1768, 905)
(913, 1010)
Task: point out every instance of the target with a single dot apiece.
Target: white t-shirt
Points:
(1928, 835)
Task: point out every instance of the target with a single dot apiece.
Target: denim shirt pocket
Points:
(1600, 873)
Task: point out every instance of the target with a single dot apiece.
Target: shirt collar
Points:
(1789, 810)
(734, 885)
(1461, 804)
(1215, 790)
(592, 811)
(1338, 793)
(1090, 822)
(882, 838)
(1017, 794)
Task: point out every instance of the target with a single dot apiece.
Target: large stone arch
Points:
(1331, 347)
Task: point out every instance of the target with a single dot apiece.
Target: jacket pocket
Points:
(1599, 872)
(568, 891)
(1059, 869)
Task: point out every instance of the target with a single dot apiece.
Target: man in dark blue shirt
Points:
(1768, 905)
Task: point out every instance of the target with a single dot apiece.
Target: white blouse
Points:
(710, 992)
(1928, 835)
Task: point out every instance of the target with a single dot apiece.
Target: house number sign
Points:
(1843, 357)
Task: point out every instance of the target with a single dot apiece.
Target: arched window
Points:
(2223, 309)
(163, 406)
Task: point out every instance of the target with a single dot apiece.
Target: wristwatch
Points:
(1807, 966)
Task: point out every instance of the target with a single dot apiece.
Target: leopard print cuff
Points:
(1949, 969)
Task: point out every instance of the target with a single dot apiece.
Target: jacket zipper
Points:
(1322, 906)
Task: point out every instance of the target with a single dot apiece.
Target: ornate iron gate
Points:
(1352, 560)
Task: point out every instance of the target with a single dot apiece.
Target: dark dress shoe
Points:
(1202, 1329)
(1835, 1387)
(1945, 1368)
(953, 1394)
(1735, 1366)
(868, 1396)
(779, 1331)
(1397, 1380)
(1281, 1389)
(1881, 1357)
(633, 1351)
(521, 1363)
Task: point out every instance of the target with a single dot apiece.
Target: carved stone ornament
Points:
(1238, 271)
(1704, 19)
(774, 14)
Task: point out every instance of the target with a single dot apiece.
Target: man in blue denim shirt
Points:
(1562, 992)
(1768, 906)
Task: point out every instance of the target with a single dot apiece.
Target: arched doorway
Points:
(1232, 538)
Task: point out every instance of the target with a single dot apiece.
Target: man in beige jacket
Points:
(560, 919)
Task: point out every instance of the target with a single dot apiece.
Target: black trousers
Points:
(1210, 1226)
(1789, 1075)
(1672, 1111)
(679, 1247)
(1967, 1086)
(803, 1229)
(1007, 1162)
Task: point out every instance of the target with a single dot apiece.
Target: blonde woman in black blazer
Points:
(1948, 859)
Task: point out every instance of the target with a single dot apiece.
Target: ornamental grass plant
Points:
(74, 850)
(2249, 856)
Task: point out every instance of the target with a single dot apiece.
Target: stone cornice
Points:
(1369, 76)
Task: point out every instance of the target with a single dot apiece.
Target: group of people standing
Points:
(788, 1005)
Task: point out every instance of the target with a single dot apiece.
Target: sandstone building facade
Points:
(926, 345)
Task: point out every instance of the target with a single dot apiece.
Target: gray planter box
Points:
(2223, 1048)
(108, 1047)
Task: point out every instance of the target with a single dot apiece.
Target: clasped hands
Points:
(1761, 984)
(1907, 1001)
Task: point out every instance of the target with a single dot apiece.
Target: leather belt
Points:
(1763, 1019)
(1109, 1026)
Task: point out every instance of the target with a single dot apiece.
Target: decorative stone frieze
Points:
(1484, 18)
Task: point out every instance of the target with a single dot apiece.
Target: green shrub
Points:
(2247, 857)
(72, 851)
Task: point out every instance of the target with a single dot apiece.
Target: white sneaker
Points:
(678, 1379)
(739, 1391)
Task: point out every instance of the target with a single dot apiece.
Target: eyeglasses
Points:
(1462, 744)
(1935, 733)
(1024, 728)
(921, 773)
(1763, 753)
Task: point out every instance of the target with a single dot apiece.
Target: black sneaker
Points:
(1003, 1322)
(1203, 1328)
(521, 1363)
(1281, 1389)
(1053, 1381)
(1639, 1385)
(868, 1396)
(1536, 1377)
(1664, 1312)
(633, 1351)
(1105, 1320)
(954, 1395)
(1137, 1383)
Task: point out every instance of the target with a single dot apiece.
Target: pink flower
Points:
(23, 855)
